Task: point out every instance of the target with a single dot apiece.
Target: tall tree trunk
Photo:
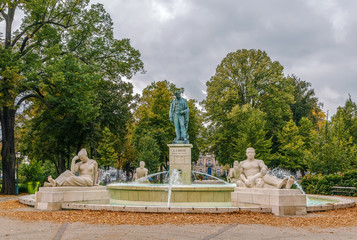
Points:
(8, 28)
(8, 150)
(8, 119)
(62, 163)
(69, 160)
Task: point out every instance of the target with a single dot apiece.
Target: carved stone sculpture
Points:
(253, 173)
(179, 114)
(234, 174)
(87, 169)
(141, 173)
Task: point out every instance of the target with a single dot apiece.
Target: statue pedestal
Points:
(51, 198)
(180, 159)
(282, 201)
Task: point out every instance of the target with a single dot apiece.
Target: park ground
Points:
(18, 221)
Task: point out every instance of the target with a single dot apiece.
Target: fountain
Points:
(255, 189)
(175, 196)
(281, 173)
(185, 194)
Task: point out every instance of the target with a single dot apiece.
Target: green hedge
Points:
(22, 188)
(318, 184)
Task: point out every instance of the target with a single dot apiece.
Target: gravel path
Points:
(13, 228)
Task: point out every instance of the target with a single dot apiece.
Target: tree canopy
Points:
(62, 52)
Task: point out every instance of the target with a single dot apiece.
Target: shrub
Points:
(32, 172)
(22, 188)
(318, 184)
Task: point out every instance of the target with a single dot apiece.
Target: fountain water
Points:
(282, 173)
(152, 175)
(208, 175)
(174, 179)
(111, 175)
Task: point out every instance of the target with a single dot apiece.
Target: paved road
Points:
(14, 229)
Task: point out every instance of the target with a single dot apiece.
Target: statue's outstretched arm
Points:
(263, 167)
(242, 175)
(74, 165)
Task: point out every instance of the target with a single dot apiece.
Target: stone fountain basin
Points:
(179, 193)
(336, 203)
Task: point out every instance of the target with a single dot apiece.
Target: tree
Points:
(151, 117)
(346, 119)
(332, 150)
(245, 127)
(249, 77)
(107, 154)
(336, 142)
(292, 149)
(53, 32)
(195, 129)
(305, 103)
(149, 152)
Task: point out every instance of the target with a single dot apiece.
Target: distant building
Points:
(208, 164)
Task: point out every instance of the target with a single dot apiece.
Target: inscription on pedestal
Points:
(180, 151)
(180, 159)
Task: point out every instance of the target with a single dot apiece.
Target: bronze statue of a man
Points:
(179, 113)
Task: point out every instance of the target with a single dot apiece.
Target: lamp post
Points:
(18, 154)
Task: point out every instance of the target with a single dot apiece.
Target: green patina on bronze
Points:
(179, 114)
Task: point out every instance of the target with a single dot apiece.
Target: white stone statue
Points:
(234, 174)
(87, 169)
(141, 173)
(253, 173)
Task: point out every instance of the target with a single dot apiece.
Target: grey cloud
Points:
(183, 41)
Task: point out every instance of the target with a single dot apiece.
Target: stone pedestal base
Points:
(180, 159)
(51, 198)
(282, 201)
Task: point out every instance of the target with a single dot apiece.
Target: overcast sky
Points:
(183, 41)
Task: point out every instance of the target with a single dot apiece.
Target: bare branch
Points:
(29, 48)
(32, 96)
(3, 14)
(28, 37)
(23, 32)
(39, 93)
(23, 45)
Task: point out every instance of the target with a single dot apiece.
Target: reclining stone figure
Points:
(253, 174)
(87, 169)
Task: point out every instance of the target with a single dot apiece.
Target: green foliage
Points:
(305, 102)
(332, 150)
(319, 184)
(292, 148)
(23, 188)
(152, 117)
(70, 61)
(245, 127)
(32, 172)
(107, 154)
(345, 120)
(248, 77)
(195, 129)
(149, 152)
